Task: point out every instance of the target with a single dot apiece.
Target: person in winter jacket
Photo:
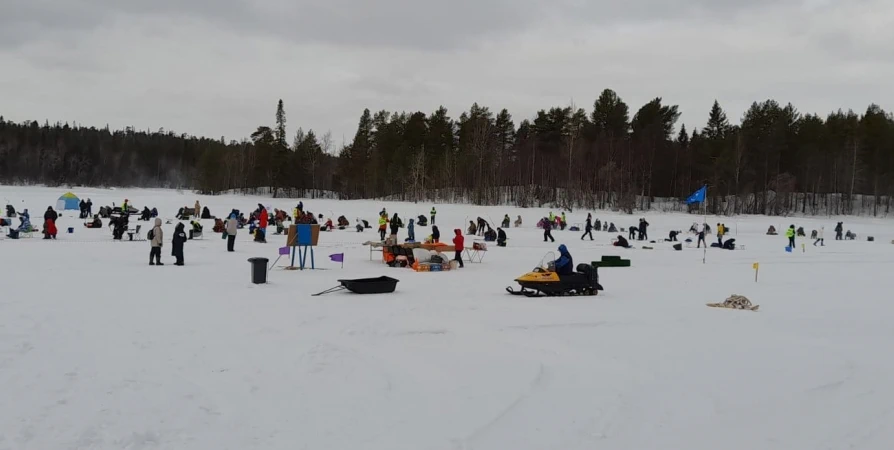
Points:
(231, 229)
(458, 242)
(89, 205)
(83, 207)
(197, 212)
(25, 219)
(156, 242)
(411, 232)
(643, 230)
(263, 220)
(790, 234)
(501, 237)
(49, 223)
(547, 233)
(631, 233)
(565, 263)
(839, 229)
(720, 234)
(383, 224)
(435, 234)
(621, 242)
(701, 236)
(177, 244)
(819, 237)
(506, 221)
(518, 222)
(395, 225)
(433, 213)
(50, 214)
(588, 228)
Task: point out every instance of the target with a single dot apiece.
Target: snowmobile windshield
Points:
(548, 262)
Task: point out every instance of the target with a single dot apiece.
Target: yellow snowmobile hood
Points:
(539, 277)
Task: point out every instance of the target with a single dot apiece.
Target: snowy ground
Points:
(98, 350)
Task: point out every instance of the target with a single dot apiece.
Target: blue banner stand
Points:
(304, 241)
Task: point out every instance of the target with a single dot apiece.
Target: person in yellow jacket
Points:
(790, 234)
(383, 224)
(720, 234)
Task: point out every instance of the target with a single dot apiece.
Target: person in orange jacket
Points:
(458, 242)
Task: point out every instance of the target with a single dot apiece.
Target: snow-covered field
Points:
(98, 350)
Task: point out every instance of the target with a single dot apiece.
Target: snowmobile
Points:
(543, 281)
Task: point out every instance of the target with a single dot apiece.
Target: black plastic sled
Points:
(380, 285)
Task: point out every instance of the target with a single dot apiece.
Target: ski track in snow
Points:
(100, 351)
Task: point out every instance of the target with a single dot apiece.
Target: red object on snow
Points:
(50, 226)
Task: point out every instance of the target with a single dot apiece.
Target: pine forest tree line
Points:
(774, 161)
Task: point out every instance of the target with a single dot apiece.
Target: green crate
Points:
(607, 258)
(618, 263)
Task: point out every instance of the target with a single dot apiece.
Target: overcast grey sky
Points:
(217, 67)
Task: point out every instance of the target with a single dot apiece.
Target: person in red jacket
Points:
(458, 242)
(261, 232)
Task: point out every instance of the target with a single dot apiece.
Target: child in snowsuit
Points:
(458, 242)
(156, 242)
(790, 234)
(177, 244)
(383, 223)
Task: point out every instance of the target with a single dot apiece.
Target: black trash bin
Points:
(258, 270)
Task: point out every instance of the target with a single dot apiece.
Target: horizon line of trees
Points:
(774, 161)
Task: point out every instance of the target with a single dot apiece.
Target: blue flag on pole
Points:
(697, 196)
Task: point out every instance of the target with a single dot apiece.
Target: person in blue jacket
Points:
(565, 263)
(411, 232)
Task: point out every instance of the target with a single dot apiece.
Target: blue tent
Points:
(68, 201)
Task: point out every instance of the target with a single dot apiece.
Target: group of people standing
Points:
(86, 208)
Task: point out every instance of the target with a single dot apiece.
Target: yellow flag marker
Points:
(756, 268)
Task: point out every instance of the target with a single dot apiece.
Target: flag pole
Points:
(705, 207)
